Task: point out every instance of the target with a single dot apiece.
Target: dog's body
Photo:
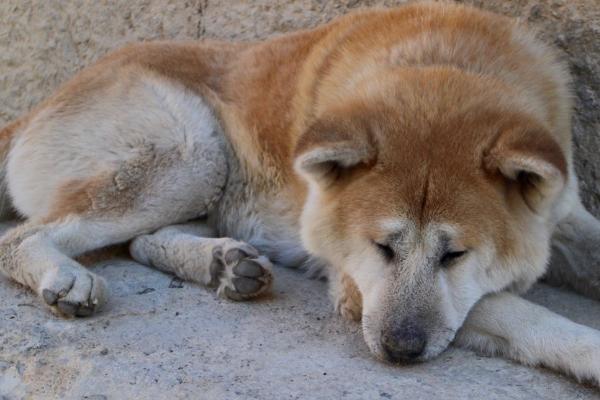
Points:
(423, 152)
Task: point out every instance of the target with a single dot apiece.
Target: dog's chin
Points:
(429, 354)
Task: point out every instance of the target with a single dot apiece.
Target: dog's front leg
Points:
(346, 297)
(505, 324)
(191, 252)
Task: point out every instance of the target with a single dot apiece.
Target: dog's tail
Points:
(6, 138)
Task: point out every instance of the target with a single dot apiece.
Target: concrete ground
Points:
(161, 338)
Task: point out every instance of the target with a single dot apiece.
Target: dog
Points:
(422, 154)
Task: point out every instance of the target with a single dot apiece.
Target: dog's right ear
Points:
(532, 161)
(328, 150)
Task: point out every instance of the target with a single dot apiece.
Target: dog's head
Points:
(428, 190)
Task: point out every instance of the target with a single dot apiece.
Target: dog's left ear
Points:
(329, 149)
(532, 161)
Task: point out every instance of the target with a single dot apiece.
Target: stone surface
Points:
(159, 338)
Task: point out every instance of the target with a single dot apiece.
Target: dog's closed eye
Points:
(386, 250)
(449, 257)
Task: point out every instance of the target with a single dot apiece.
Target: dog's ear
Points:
(328, 150)
(531, 161)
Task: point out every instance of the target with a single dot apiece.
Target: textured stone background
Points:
(44, 42)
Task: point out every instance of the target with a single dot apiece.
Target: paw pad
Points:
(239, 271)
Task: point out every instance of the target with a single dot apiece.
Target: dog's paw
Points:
(348, 302)
(73, 291)
(349, 308)
(239, 271)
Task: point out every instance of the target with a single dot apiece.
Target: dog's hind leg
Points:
(104, 168)
(505, 324)
(192, 252)
(159, 187)
(576, 253)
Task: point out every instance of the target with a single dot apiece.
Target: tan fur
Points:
(423, 152)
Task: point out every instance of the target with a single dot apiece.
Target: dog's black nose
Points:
(405, 343)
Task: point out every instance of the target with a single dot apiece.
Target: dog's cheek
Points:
(367, 272)
(460, 288)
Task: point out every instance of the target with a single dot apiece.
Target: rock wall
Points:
(44, 42)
